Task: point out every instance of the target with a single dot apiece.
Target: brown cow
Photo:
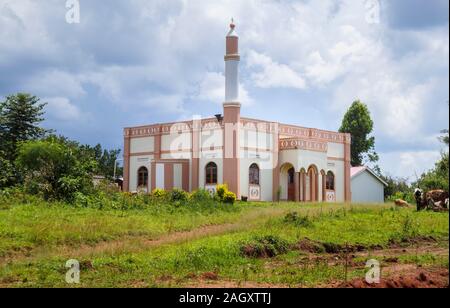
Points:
(401, 203)
(437, 200)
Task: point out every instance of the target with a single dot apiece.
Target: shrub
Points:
(159, 193)
(200, 195)
(229, 197)
(178, 195)
(221, 190)
(224, 195)
(300, 221)
(55, 170)
(264, 247)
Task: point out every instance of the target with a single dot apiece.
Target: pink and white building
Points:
(259, 159)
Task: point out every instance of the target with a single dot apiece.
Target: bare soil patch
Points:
(418, 278)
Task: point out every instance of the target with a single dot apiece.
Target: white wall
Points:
(336, 150)
(367, 189)
(175, 141)
(142, 145)
(211, 138)
(178, 176)
(256, 140)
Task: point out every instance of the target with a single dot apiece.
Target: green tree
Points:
(105, 159)
(6, 172)
(438, 177)
(20, 116)
(398, 188)
(55, 168)
(444, 138)
(358, 122)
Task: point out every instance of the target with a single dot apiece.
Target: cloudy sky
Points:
(138, 62)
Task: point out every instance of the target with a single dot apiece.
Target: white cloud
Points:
(270, 74)
(408, 164)
(161, 103)
(55, 83)
(60, 108)
(212, 89)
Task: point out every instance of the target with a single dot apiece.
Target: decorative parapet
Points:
(303, 144)
(312, 133)
(170, 128)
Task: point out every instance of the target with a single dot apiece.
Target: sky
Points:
(138, 62)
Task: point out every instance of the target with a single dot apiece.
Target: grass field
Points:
(245, 245)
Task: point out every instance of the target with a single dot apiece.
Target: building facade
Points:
(258, 159)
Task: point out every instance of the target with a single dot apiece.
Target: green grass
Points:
(61, 232)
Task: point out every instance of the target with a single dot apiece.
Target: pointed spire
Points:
(232, 29)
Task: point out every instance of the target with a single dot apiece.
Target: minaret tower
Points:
(232, 113)
(232, 59)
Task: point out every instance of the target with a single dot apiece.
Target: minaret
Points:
(232, 59)
(232, 113)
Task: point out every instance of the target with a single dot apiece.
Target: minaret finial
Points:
(232, 25)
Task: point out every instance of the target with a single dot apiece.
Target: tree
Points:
(6, 172)
(106, 159)
(358, 122)
(437, 178)
(445, 138)
(55, 168)
(398, 188)
(20, 116)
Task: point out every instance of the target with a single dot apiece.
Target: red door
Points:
(291, 185)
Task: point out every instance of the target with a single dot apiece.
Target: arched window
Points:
(211, 173)
(253, 175)
(142, 177)
(330, 181)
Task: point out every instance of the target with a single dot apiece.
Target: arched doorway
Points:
(142, 181)
(287, 182)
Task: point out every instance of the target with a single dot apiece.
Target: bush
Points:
(200, 195)
(300, 221)
(159, 193)
(229, 197)
(221, 190)
(224, 195)
(178, 195)
(264, 247)
(55, 170)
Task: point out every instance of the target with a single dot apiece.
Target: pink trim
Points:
(168, 176)
(157, 146)
(336, 158)
(232, 47)
(297, 186)
(231, 150)
(126, 164)
(142, 154)
(303, 144)
(347, 168)
(153, 176)
(185, 176)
